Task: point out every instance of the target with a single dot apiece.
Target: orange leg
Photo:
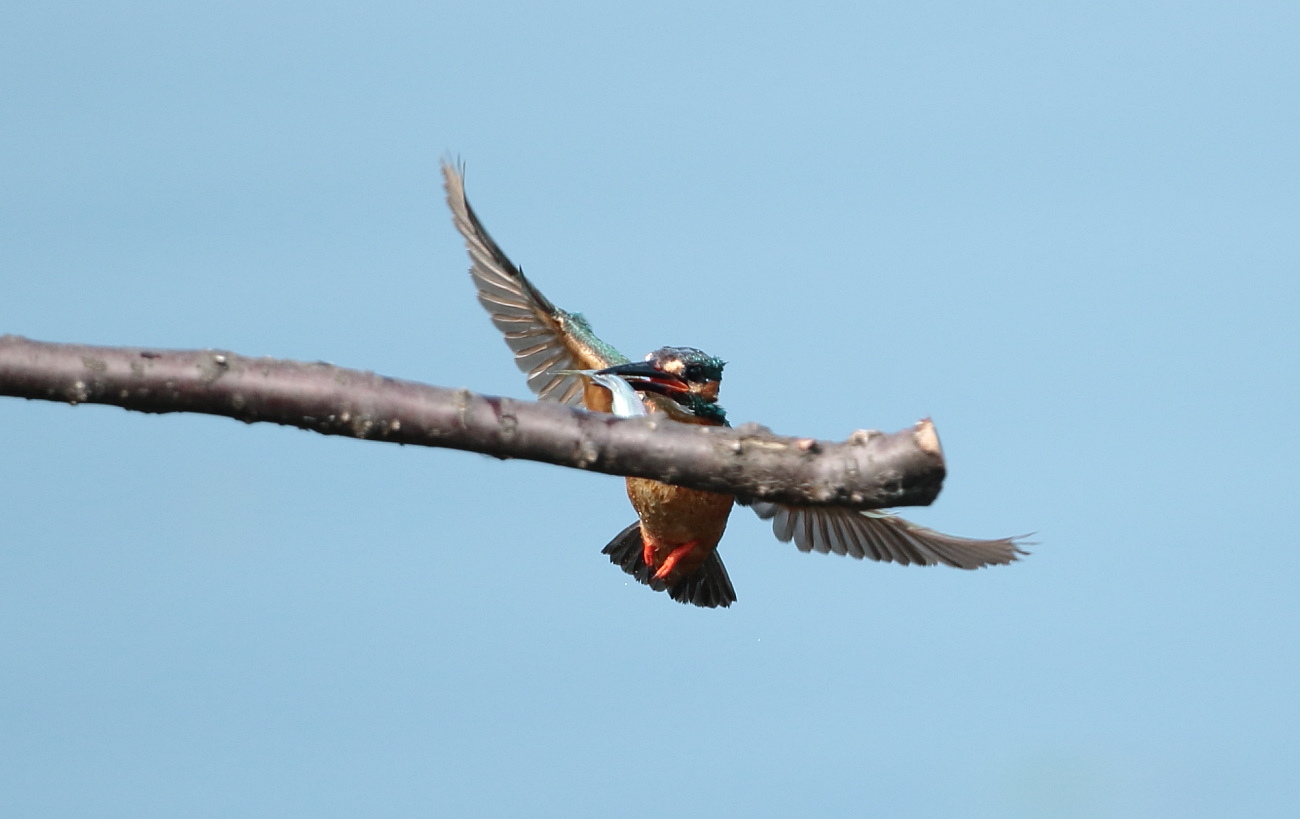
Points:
(674, 557)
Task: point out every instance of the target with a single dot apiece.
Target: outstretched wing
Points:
(880, 535)
(548, 343)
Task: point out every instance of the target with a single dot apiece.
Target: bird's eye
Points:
(694, 372)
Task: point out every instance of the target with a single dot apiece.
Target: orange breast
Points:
(596, 398)
(673, 517)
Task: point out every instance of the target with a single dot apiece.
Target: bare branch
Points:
(871, 470)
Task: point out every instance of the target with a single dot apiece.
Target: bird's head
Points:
(687, 376)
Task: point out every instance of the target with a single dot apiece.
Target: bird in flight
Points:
(673, 545)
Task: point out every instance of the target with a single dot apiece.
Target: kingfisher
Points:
(673, 544)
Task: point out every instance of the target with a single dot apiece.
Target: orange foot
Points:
(674, 557)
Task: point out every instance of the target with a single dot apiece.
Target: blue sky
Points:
(1068, 232)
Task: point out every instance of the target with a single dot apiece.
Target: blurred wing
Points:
(546, 340)
(880, 535)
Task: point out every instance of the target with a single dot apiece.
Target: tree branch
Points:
(870, 470)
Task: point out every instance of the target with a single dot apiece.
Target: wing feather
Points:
(881, 535)
(547, 341)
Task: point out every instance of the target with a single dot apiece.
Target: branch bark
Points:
(869, 471)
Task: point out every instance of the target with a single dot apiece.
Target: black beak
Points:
(644, 376)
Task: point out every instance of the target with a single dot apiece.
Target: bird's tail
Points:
(708, 586)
